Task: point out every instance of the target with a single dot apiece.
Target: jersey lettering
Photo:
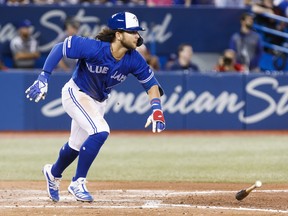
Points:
(119, 77)
(69, 41)
(97, 69)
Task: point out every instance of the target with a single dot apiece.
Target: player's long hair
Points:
(106, 35)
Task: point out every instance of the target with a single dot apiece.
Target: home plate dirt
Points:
(144, 198)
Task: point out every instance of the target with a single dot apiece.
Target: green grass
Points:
(193, 158)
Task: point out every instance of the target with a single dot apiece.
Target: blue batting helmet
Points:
(124, 21)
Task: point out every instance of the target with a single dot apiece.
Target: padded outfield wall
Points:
(193, 101)
(210, 101)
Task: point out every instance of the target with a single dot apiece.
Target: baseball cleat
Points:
(52, 183)
(79, 191)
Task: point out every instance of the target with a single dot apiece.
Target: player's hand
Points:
(157, 120)
(39, 88)
(157, 117)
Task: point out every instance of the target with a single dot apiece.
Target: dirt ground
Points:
(144, 198)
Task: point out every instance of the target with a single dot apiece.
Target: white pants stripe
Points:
(82, 110)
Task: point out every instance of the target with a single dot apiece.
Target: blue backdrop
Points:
(207, 29)
(209, 101)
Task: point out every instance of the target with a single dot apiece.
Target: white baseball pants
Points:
(87, 114)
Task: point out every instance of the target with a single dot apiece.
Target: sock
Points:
(88, 153)
(66, 156)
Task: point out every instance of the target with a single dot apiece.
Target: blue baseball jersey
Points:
(97, 71)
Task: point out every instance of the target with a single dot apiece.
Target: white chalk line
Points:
(147, 206)
(136, 193)
(132, 194)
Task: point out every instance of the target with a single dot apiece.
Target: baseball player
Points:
(102, 64)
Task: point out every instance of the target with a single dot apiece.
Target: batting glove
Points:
(39, 89)
(157, 117)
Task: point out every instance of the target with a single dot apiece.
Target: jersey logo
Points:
(97, 69)
(119, 77)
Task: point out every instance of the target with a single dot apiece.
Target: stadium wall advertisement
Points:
(195, 101)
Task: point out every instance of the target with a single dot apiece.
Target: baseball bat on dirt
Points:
(240, 195)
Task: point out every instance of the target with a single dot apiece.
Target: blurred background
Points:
(222, 64)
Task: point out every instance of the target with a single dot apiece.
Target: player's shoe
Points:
(79, 191)
(52, 183)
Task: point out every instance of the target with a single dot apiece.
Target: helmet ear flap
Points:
(139, 41)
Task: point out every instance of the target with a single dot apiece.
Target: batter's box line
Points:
(150, 205)
(136, 193)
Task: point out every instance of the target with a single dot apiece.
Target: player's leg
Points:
(88, 113)
(52, 182)
(53, 173)
(69, 152)
(87, 154)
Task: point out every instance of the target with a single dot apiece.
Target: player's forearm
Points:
(153, 92)
(157, 117)
(53, 58)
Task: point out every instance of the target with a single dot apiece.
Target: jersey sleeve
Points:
(144, 73)
(77, 47)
